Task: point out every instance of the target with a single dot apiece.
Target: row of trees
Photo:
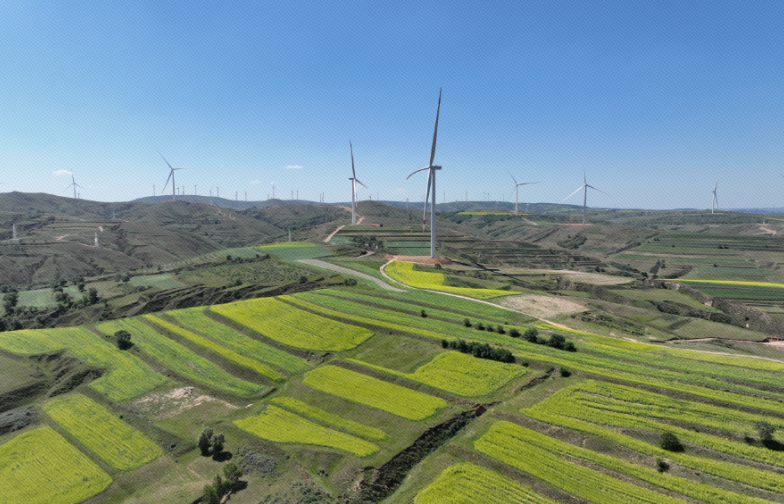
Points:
(480, 350)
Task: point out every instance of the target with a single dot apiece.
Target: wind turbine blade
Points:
(360, 183)
(419, 170)
(575, 192)
(427, 195)
(164, 160)
(527, 183)
(435, 131)
(354, 173)
(595, 189)
(167, 180)
(515, 180)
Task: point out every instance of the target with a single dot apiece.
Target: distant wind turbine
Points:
(584, 187)
(354, 181)
(431, 181)
(517, 186)
(74, 185)
(171, 177)
(715, 200)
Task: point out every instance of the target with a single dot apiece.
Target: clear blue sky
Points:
(656, 100)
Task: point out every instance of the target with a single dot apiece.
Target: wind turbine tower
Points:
(96, 238)
(171, 177)
(13, 232)
(431, 182)
(354, 181)
(715, 200)
(517, 187)
(584, 187)
(74, 185)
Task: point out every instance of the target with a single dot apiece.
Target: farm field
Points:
(292, 326)
(405, 273)
(41, 467)
(295, 251)
(164, 281)
(325, 417)
(110, 439)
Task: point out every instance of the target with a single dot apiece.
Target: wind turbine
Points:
(584, 187)
(431, 181)
(517, 186)
(354, 181)
(171, 176)
(715, 199)
(74, 185)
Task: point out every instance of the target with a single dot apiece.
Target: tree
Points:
(123, 338)
(514, 333)
(92, 295)
(467, 323)
(557, 341)
(423, 313)
(233, 473)
(765, 430)
(205, 441)
(670, 442)
(219, 485)
(210, 495)
(531, 335)
(217, 444)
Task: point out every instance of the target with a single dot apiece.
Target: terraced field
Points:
(126, 375)
(40, 467)
(404, 273)
(295, 251)
(291, 326)
(110, 439)
(278, 425)
(164, 281)
(363, 389)
(327, 418)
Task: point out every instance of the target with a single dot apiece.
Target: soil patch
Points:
(168, 404)
(540, 306)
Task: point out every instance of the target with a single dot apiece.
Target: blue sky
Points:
(656, 100)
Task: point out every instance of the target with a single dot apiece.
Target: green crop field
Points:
(373, 392)
(328, 418)
(295, 251)
(460, 374)
(278, 425)
(230, 354)
(126, 376)
(40, 467)
(40, 298)
(292, 326)
(164, 281)
(468, 483)
(180, 359)
(112, 440)
(404, 272)
(195, 319)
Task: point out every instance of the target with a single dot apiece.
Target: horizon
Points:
(656, 103)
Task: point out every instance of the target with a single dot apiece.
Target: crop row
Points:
(196, 320)
(459, 374)
(126, 376)
(40, 467)
(281, 426)
(617, 406)
(230, 354)
(363, 389)
(292, 326)
(328, 418)
(689, 488)
(504, 442)
(467, 483)
(404, 272)
(112, 440)
(465, 306)
(550, 412)
(180, 359)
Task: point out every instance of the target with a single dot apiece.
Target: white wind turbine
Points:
(431, 181)
(74, 185)
(715, 200)
(584, 187)
(354, 181)
(171, 177)
(517, 186)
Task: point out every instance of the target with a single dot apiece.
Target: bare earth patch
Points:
(540, 306)
(168, 404)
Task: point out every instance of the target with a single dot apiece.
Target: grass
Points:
(292, 326)
(40, 467)
(404, 272)
(40, 298)
(281, 426)
(180, 359)
(363, 389)
(294, 251)
(467, 483)
(328, 418)
(460, 374)
(163, 281)
(195, 319)
(126, 375)
(109, 438)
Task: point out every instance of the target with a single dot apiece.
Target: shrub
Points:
(565, 372)
(500, 329)
(205, 441)
(670, 442)
(303, 279)
(662, 466)
(557, 341)
(467, 323)
(123, 338)
(514, 333)
(480, 326)
(423, 313)
(531, 335)
(350, 282)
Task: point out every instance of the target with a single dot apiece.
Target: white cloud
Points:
(255, 182)
(293, 167)
(62, 173)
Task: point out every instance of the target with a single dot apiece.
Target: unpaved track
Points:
(326, 240)
(347, 271)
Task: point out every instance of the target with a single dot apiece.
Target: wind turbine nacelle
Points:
(435, 167)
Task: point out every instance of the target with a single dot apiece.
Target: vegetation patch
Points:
(164, 281)
(40, 467)
(328, 418)
(281, 426)
(295, 251)
(112, 440)
(468, 483)
(404, 272)
(373, 392)
(292, 326)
